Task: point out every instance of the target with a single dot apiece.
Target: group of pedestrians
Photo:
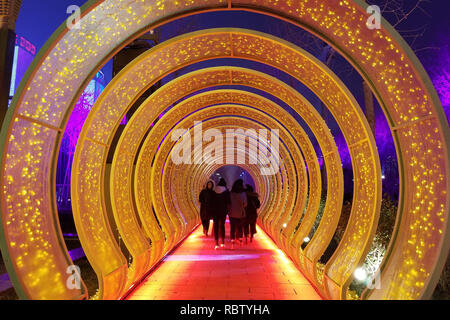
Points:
(240, 204)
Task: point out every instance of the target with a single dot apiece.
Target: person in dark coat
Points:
(221, 207)
(237, 211)
(251, 213)
(206, 199)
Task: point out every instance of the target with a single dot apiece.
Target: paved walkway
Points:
(256, 271)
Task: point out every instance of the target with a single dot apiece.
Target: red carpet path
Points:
(195, 271)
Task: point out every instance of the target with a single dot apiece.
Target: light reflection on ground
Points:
(207, 257)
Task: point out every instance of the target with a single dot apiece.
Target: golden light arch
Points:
(241, 76)
(234, 97)
(254, 169)
(227, 122)
(201, 175)
(394, 73)
(264, 182)
(148, 151)
(157, 134)
(288, 203)
(217, 76)
(121, 198)
(139, 116)
(233, 123)
(215, 123)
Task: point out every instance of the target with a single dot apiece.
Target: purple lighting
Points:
(76, 254)
(70, 138)
(440, 75)
(81, 110)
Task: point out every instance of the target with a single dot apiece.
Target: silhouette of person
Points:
(206, 199)
(237, 211)
(251, 213)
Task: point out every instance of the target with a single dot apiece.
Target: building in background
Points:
(24, 53)
(9, 11)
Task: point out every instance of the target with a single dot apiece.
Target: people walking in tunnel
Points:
(237, 211)
(221, 207)
(206, 199)
(251, 213)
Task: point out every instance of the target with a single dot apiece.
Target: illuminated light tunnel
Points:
(142, 180)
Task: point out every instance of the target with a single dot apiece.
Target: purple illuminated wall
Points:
(70, 138)
(440, 75)
(386, 150)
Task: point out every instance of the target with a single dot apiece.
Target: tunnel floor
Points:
(195, 271)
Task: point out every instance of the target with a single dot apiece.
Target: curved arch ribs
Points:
(147, 200)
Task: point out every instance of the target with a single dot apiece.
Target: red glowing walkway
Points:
(256, 271)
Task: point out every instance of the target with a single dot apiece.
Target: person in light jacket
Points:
(251, 213)
(237, 211)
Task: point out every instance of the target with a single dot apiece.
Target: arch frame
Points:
(445, 136)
